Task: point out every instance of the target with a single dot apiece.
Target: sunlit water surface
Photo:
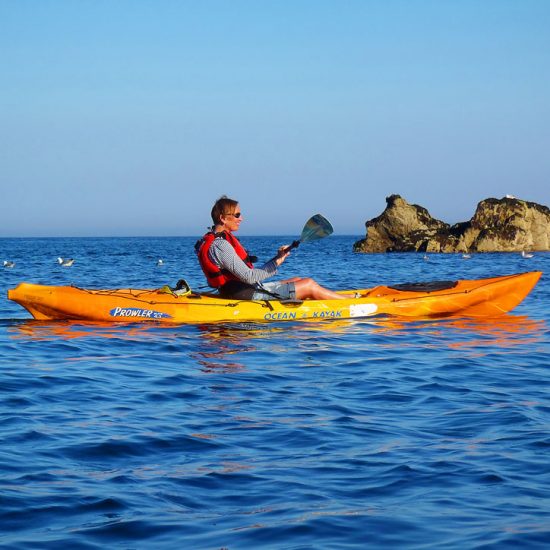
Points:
(343, 434)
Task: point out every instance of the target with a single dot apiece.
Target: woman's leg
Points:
(291, 280)
(308, 288)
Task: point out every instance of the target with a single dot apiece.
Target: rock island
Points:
(498, 225)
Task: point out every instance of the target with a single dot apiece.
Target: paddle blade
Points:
(317, 227)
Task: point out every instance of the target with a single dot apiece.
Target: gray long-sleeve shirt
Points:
(225, 257)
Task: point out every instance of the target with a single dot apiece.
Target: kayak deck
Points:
(464, 298)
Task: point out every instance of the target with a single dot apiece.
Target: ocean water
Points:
(370, 433)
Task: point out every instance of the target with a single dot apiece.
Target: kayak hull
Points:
(467, 298)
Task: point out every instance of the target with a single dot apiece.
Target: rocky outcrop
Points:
(498, 225)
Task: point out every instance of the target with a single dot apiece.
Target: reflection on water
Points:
(503, 330)
(69, 330)
(226, 347)
(479, 336)
(506, 330)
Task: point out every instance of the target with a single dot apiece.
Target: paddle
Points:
(317, 227)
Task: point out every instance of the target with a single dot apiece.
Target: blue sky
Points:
(131, 117)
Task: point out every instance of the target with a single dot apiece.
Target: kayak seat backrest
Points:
(431, 286)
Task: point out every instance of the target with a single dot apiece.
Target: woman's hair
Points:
(222, 207)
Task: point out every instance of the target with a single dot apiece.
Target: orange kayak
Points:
(463, 298)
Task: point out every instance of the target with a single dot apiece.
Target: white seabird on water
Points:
(160, 262)
(8, 263)
(466, 256)
(65, 262)
(526, 255)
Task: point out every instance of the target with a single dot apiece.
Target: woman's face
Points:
(232, 220)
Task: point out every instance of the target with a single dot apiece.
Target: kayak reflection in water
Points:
(229, 268)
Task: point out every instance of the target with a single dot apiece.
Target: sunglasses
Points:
(235, 215)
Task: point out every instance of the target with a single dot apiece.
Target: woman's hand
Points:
(282, 254)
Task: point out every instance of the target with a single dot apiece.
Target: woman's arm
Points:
(224, 255)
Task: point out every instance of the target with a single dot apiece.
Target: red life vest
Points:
(215, 276)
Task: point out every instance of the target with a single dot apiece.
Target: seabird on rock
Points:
(66, 262)
(510, 197)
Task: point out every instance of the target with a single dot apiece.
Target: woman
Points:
(229, 268)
